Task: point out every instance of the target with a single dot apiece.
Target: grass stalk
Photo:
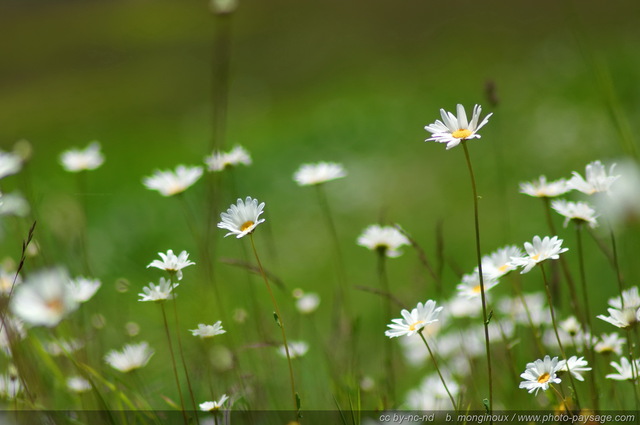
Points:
(173, 363)
(435, 364)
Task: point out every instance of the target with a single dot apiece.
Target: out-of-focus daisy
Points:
(431, 394)
(170, 183)
(6, 280)
(310, 174)
(610, 343)
(465, 307)
(10, 386)
(622, 205)
(75, 160)
(578, 212)
(14, 204)
(541, 188)
(625, 369)
(132, 356)
(44, 299)
(536, 309)
(597, 179)
(159, 292)
(308, 302)
(58, 347)
(384, 239)
(296, 349)
(540, 374)
(172, 263)
(574, 365)
(626, 318)
(10, 163)
(242, 218)
(208, 331)
(498, 263)
(83, 288)
(571, 326)
(10, 330)
(538, 251)
(630, 298)
(470, 285)
(218, 161)
(415, 320)
(211, 406)
(452, 130)
(78, 384)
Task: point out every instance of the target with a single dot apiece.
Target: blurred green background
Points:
(352, 82)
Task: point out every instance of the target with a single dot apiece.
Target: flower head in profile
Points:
(76, 160)
(242, 218)
(630, 299)
(621, 318)
(10, 163)
(538, 251)
(160, 292)
(132, 356)
(306, 303)
(412, 322)
(311, 174)
(78, 384)
(170, 183)
(625, 370)
(610, 343)
(452, 130)
(172, 263)
(498, 263)
(208, 331)
(540, 374)
(578, 212)
(218, 161)
(541, 188)
(296, 349)
(212, 406)
(596, 179)
(83, 288)
(575, 365)
(385, 239)
(44, 299)
(470, 285)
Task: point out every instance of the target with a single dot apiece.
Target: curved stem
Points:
(184, 363)
(435, 364)
(280, 324)
(388, 348)
(173, 363)
(479, 259)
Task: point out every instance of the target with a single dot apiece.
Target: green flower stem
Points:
(84, 240)
(555, 329)
(534, 329)
(173, 362)
(184, 363)
(388, 348)
(435, 364)
(485, 320)
(281, 325)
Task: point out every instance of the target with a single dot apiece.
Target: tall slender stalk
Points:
(84, 240)
(184, 363)
(479, 259)
(173, 363)
(388, 348)
(435, 364)
(555, 329)
(294, 394)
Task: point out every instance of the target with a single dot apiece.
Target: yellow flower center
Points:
(503, 268)
(543, 378)
(56, 305)
(246, 225)
(463, 133)
(476, 289)
(535, 257)
(413, 326)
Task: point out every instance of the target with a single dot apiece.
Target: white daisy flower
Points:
(75, 160)
(540, 374)
(535, 305)
(10, 327)
(540, 250)
(574, 365)
(132, 356)
(14, 204)
(626, 318)
(452, 130)
(10, 386)
(208, 331)
(6, 280)
(470, 286)
(308, 303)
(580, 212)
(218, 161)
(58, 347)
(83, 289)
(610, 343)
(625, 370)
(385, 239)
(465, 307)
(242, 218)
(77, 384)
(597, 180)
(44, 299)
(311, 174)
(498, 263)
(159, 292)
(622, 203)
(432, 395)
(571, 326)
(415, 320)
(542, 189)
(170, 183)
(630, 298)
(10, 163)
(296, 349)
(172, 263)
(211, 406)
